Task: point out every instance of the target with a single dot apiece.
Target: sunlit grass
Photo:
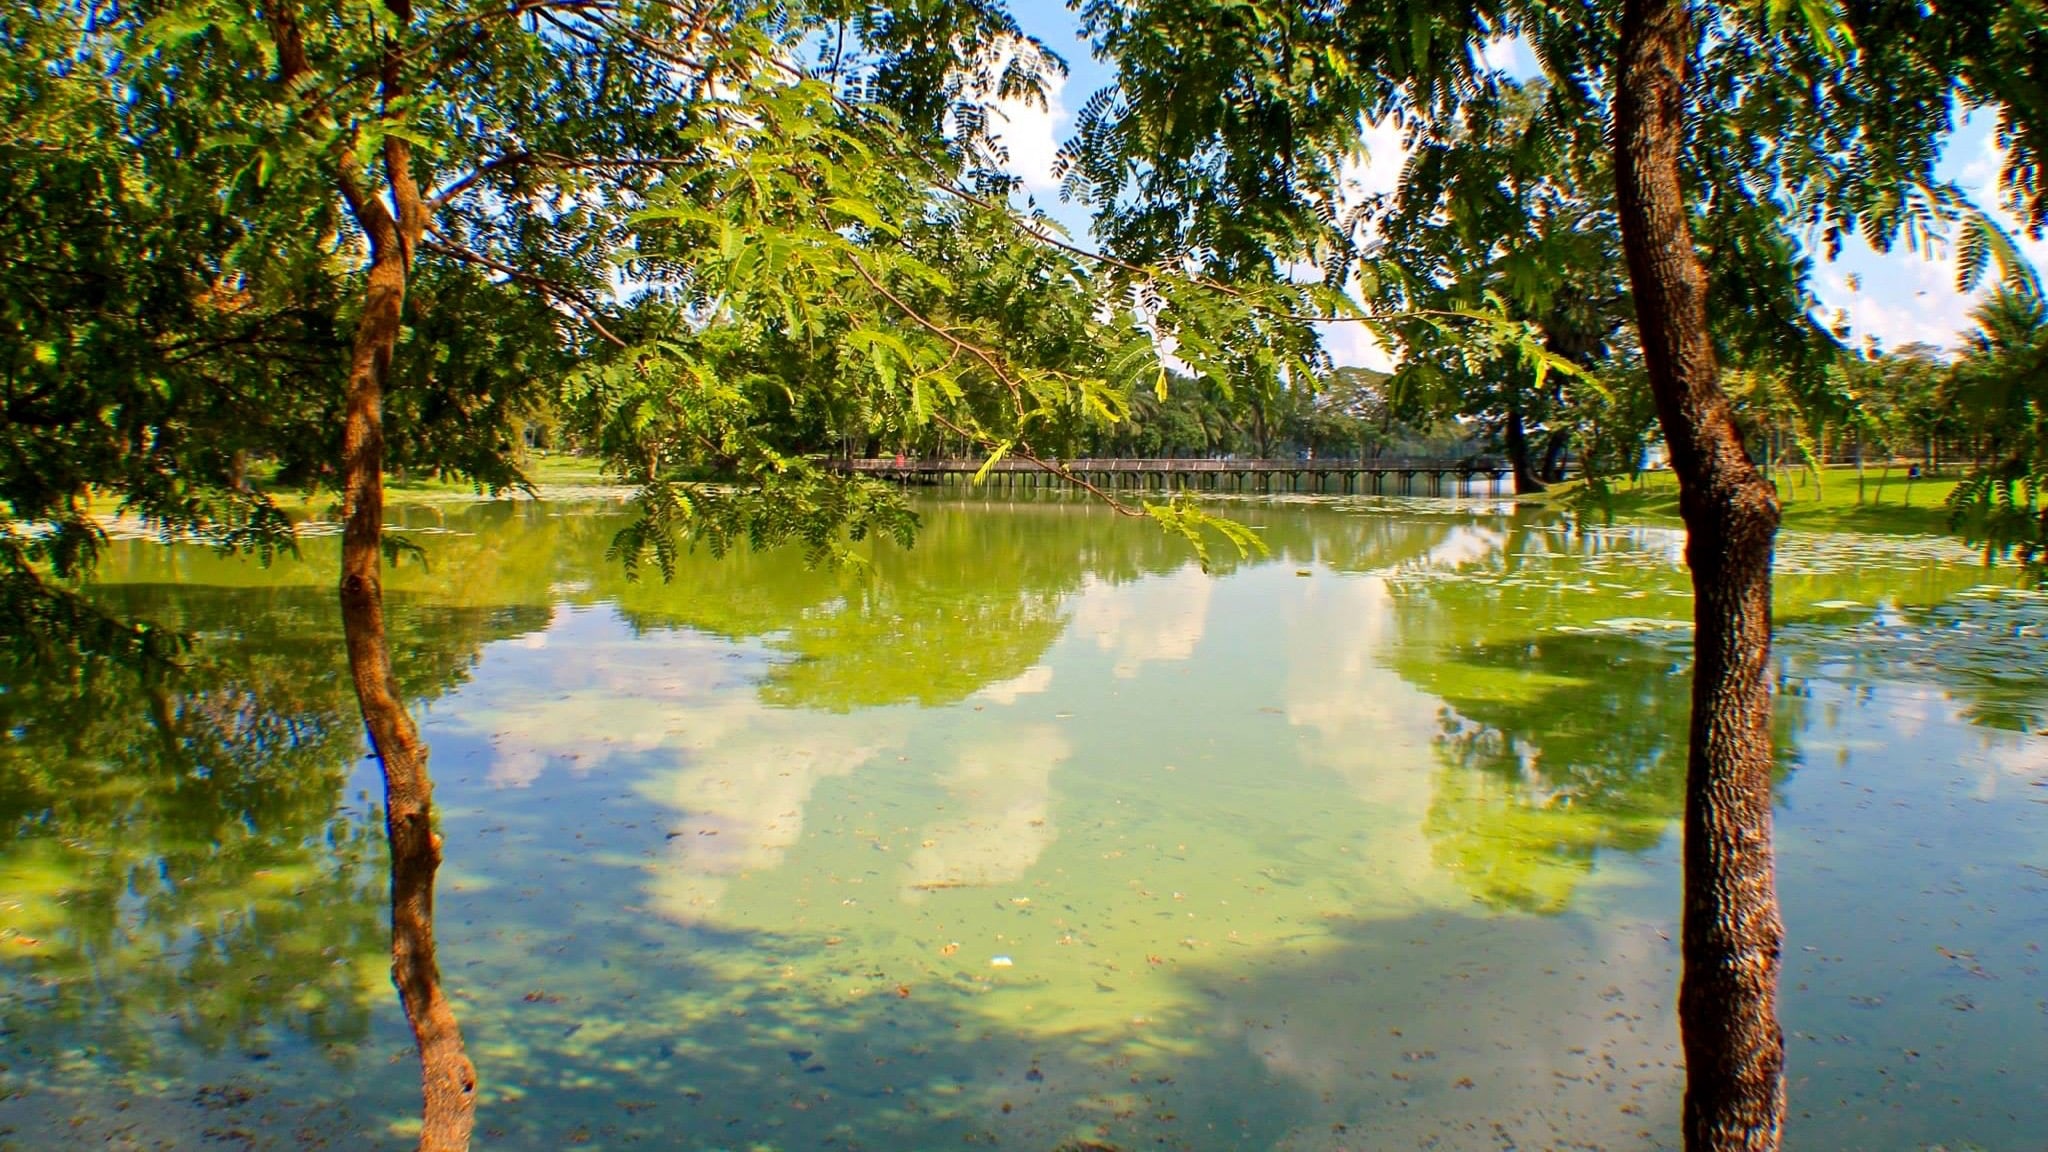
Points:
(1836, 500)
(544, 472)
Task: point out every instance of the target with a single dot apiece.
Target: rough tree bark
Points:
(1553, 456)
(1527, 482)
(447, 1077)
(1727, 1005)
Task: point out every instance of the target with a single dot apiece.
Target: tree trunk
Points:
(1527, 483)
(1727, 1005)
(447, 1078)
(1553, 456)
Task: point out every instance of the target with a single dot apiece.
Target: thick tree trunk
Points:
(1727, 1008)
(1527, 483)
(1553, 456)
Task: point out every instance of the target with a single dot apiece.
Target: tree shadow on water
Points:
(1461, 1027)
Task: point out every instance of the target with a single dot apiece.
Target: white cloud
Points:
(1031, 135)
(1376, 173)
(1509, 54)
(1898, 297)
(1901, 296)
(1379, 170)
(1355, 346)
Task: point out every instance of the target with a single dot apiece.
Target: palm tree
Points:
(2001, 385)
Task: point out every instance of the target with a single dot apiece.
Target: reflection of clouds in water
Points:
(1465, 544)
(1159, 618)
(743, 771)
(1364, 721)
(516, 767)
(576, 712)
(1005, 786)
(2009, 757)
(1909, 712)
(581, 731)
(1030, 682)
(743, 788)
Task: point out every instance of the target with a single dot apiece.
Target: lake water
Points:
(1033, 833)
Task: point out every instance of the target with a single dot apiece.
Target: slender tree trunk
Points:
(447, 1078)
(1814, 464)
(1727, 1006)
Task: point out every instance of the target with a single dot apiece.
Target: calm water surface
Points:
(1033, 833)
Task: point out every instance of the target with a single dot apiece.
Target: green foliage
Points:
(824, 514)
(2002, 382)
(1809, 123)
(1187, 520)
(1505, 216)
(721, 267)
(1235, 163)
(135, 364)
(822, 289)
(190, 247)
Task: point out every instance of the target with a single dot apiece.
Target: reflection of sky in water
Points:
(1360, 859)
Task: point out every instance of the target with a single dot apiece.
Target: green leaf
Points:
(860, 210)
(1001, 449)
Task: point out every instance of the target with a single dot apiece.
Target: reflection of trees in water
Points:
(1564, 724)
(181, 852)
(1533, 788)
(976, 602)
(174, 854)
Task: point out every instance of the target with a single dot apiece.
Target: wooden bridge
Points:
(1386, 477)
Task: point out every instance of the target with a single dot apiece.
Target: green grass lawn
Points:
(1885, 504)
(549, 471)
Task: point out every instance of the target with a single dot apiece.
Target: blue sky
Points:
(1897, 297)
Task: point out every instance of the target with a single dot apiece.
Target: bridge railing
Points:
(1178, 464)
